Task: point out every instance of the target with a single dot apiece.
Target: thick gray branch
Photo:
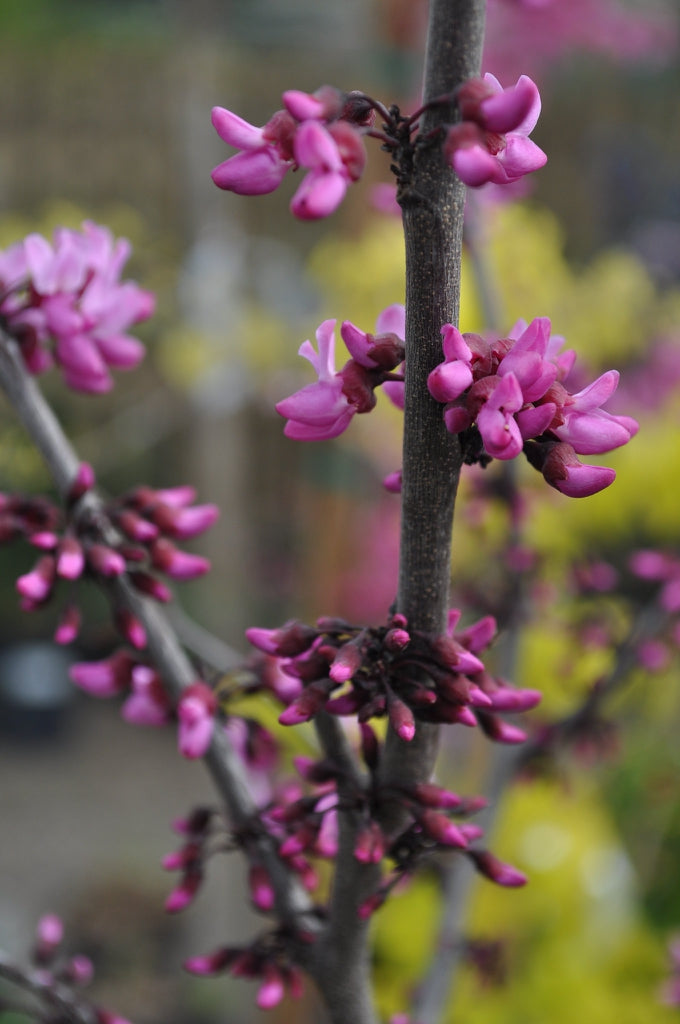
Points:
(432, 205)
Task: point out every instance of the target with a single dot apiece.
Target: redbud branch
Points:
(432, 206)
(176, 670)
(57, 995)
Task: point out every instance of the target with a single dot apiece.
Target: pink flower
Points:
(511, 389)
(104, 678)
(36, 586)
(319, 411)
(195, 712)
(563, 471)
(495, 870)
(588, 428)
(148, 703)
(334, 158)
(264, 159)
(324, 410)
(491, 143)
(319, 132)
(496, 422)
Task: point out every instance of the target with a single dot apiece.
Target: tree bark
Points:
(432, 205)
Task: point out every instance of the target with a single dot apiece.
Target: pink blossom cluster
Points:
(491, 141)
(306, 826)
(150, 522)
(147, 702)
(512, 391)
(64, 302)
(390, 671)
(56, 979)
(320, 133)
(323, 410)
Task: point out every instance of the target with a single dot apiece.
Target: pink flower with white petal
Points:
(319, 411)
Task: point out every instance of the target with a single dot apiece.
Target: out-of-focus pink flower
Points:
(148, 703)
(495, 870)
(180, 565)
(195, 713)
(104, 678)
(68, 625)
(36, 586)
(49, 935)
(491, 142)
(551, 30)
(69, 293)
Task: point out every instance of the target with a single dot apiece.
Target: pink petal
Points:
(520, 156)
(234, 130)
(392, 320)
(515, 109)
(535, 421)
(302, 106)
(320, 193)
(253, 173)
(449, 380)
(582, 481)
(315, 148)
(475, 166)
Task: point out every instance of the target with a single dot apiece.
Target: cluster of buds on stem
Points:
(390, 671)
(149, 521)
(266, 960)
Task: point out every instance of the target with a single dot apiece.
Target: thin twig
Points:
(46, 989)
(177, 673)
